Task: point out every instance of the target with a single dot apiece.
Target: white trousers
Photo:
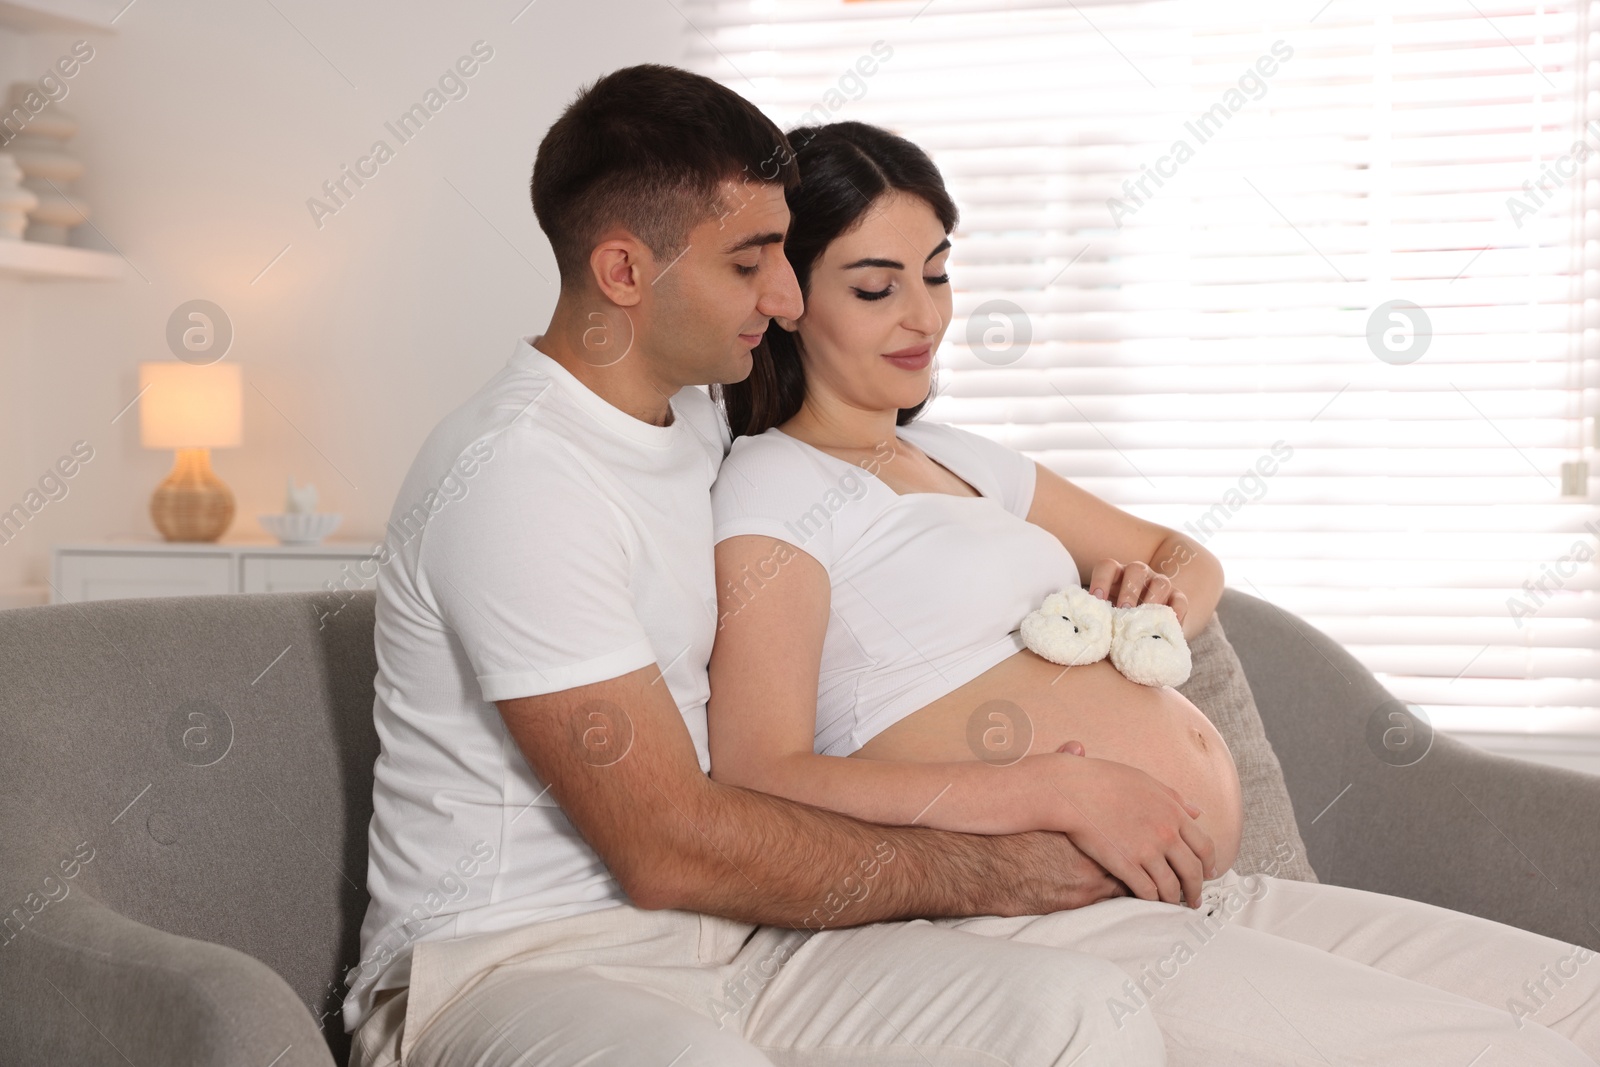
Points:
(623, 986)
(1269, 972)
(1280, 973)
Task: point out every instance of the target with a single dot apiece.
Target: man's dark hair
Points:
(645, 148)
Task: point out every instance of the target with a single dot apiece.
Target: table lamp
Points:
(193, 409)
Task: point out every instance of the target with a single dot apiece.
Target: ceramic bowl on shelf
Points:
(304, 528)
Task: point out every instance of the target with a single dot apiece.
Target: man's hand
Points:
(1191, 890)
(1065, 879)
(1095, 878)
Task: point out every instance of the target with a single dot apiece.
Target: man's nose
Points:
(782, 297)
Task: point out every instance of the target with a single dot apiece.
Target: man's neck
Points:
(603, 352)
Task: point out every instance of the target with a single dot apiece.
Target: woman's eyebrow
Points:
(893, 264)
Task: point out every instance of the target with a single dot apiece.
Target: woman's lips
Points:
(752, 339)
(911, 358)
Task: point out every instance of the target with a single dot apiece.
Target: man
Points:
(554, 877)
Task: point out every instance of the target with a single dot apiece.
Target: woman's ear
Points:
(788, 325)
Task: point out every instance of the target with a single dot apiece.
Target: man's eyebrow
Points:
(893, 264)
(755, 241)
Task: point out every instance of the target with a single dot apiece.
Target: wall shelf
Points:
(34, 259)
(60, 14)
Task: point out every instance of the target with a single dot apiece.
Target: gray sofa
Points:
(185, 786)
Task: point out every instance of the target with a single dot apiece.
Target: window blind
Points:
(1185, 230)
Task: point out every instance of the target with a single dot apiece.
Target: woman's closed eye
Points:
(879, 294)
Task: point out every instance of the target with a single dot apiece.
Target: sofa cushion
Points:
(1217, 686)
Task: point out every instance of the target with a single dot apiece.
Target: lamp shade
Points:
(182, 405)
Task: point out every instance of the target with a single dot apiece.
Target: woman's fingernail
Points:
(1097, 592)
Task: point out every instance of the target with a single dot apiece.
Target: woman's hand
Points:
(1135, 583)
(1136, 827)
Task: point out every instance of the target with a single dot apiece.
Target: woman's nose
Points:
(923, 316)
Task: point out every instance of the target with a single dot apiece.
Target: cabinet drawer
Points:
(301, 574)
(111, 576)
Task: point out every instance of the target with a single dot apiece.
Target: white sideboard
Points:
(108, 570)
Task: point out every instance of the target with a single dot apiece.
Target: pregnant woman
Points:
(873, 571)
(913, 551)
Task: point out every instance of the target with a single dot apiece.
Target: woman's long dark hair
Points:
(844, 168)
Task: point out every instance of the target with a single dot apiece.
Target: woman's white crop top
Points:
(929, 589)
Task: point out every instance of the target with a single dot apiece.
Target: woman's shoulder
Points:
(762, 451)
(766, 466)
(773, 485)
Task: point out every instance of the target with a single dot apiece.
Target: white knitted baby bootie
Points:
(1147, 645)
(1073, 627)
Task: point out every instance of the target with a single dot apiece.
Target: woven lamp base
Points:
(192, 504)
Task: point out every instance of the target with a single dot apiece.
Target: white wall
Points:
(205, 128)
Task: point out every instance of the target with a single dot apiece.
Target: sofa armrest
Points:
(84, 985)
(1443, 822)
(1491, 835)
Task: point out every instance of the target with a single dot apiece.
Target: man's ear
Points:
(618, 265)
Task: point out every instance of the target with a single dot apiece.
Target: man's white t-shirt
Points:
(543, 539)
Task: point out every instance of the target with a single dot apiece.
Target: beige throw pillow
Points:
(1218, 687)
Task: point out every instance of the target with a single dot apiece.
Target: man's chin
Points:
(740, 363)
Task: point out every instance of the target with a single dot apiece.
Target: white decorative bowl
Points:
(306, 528)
